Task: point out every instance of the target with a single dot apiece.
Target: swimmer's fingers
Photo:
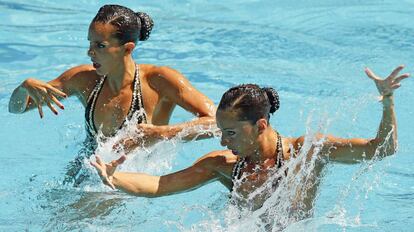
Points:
(105, 171)
(55, 91)
(396, 86)
(110, 170)
(56, 101)
(98, 160)
(98, 165)
(111, 167)
(42, 97)
(395, 72)
(39, 107)
(102, 172)
(95, 165)
(401, 77)
(121, 160)
(52, 108)
(49, 104)
(371, 74)
(38, 100)
(108, 183)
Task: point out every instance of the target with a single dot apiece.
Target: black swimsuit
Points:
(74, 172)
(241, 163)
(136, 104)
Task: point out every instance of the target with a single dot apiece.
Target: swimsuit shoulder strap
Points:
(236, 172)
(279, 150)
(137, 102)
(90, 106)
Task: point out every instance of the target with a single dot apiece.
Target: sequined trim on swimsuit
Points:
(136, 104)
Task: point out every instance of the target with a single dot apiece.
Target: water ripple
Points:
(38, 8)
(35, 29)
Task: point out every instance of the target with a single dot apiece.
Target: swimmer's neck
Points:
(122, 76)
(266, 147)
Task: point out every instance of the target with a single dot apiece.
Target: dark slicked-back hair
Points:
(130, 26)
(250, 101)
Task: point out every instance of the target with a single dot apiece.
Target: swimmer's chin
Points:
(100, 72)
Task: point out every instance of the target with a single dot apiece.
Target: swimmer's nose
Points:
(223, 141)
(90, 52)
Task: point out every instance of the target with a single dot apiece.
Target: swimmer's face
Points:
(238, 136)
(104, 49)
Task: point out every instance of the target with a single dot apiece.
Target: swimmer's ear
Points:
(262, 124)
(129, 47)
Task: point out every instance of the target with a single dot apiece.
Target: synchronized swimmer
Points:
(114, 89)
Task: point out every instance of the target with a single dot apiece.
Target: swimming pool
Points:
(312, 52)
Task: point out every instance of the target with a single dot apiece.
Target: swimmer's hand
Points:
(127, 145)
(106, 171)
(387, 86)
(147, 135)
(43, 93)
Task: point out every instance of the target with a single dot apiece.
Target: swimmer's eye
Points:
(101, 45)
(230, 133)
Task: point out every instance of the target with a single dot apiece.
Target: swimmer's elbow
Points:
(383, 148)
(12, 110)
(15, 109)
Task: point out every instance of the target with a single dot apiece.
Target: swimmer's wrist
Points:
(26, 83)
(387, 100)
(114, 180)
(168, 131)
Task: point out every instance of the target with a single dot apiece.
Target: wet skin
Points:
(163, 88)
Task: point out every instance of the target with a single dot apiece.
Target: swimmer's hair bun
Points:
(273, 97)
(146, 25)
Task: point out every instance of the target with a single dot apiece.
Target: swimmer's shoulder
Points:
(78, 80)
(161, 76)
(291, 146)
(84, 73)
(218, 159)
(154, 70)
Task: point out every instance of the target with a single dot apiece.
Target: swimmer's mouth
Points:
(96, 65)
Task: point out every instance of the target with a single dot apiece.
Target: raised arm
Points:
(385, 142)
(205, 170)
(33, 93)
(174, 86)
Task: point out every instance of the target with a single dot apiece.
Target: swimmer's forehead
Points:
(228, 120)
(99, 32)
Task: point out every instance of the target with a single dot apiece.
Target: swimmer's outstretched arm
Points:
(175, 88)
(385, 142)
(205, 170)
(33, 93)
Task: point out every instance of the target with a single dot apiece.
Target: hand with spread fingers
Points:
(43, 93)
(106, 171)
(387, 86)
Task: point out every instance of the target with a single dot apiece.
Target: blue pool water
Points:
(312, 52)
